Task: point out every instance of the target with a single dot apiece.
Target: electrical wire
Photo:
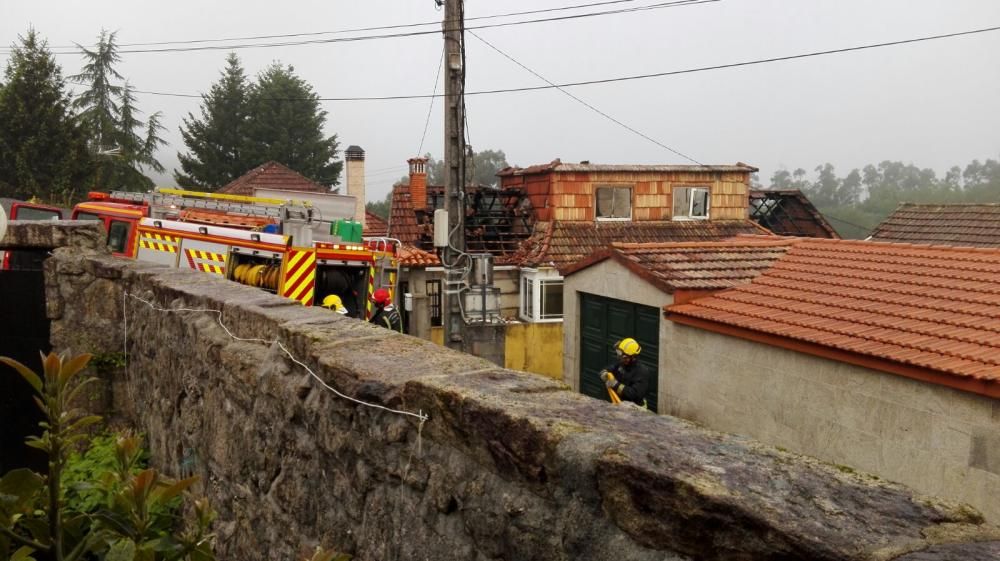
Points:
(357, 29)
(236, 47)
(421, 416)
(584, 103)
(430, 109)
(627, 78)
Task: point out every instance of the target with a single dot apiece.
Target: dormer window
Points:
(691, 203)
(614, 203)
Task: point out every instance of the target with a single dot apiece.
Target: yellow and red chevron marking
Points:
(206, 261)
(371, 289)
(158, 242)
(392, 286)
(300, 276)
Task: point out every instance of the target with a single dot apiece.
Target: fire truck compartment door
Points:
(158, 247)
(208, 257)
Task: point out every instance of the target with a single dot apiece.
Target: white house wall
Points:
(935, 439)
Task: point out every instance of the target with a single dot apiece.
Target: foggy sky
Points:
(933, 103)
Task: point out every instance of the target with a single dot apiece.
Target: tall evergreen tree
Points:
(216, 141)
(124, 144)
(286, 125)
(43, 152)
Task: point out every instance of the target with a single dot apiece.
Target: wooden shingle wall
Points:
(570, 196)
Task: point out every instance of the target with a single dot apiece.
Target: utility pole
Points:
(455, 259)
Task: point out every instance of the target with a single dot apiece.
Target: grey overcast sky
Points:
(934, 103)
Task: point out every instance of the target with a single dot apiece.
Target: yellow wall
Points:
(535, 347)
(437, 335)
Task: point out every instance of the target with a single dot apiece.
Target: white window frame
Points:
(531, 294)
(631, 202)
(695, 188)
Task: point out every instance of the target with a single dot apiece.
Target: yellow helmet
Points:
(628, 347)
(333, 302)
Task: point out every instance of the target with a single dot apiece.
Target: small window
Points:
(21, 212)
(541, 296)
(85, 216)
(434, 302)
(614, 203)
(690, 203)
(552, 299)
(118, 236)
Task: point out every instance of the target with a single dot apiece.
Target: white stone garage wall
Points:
(935, 439)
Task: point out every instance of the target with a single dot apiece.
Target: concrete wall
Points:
(938, 440)
(610, 280)
(508, 465)
(535, 347)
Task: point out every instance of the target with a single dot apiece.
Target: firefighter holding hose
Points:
(627, 379)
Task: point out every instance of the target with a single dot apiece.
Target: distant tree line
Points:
(857, 202)
(56, 145)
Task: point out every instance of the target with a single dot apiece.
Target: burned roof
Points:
(788, 212)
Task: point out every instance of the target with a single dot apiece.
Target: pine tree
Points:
(43, 152)
(124, 144)
(286, 125)
(216, 141)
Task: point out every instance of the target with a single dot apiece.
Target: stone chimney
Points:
(418, 183)
(355, 158)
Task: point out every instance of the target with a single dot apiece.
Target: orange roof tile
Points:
(375, 226)
(692, 265)
(934, 309)
(410, 256)
(561, 244)
(974, 225)
(272, 175)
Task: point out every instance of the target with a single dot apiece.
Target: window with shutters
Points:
(434, 302)
(613, 202)
(690, 203)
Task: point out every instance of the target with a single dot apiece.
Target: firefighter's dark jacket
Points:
(635, 378)
(388, 317)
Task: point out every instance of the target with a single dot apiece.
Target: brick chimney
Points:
(418, 183)
(355, 158)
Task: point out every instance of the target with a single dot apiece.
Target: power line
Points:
(673, 4)
(624, 78)
(430, 109)
(357, 29)
(858, 226)
(585, 104)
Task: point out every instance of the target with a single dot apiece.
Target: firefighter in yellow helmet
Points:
(627, 377)
(333, 302)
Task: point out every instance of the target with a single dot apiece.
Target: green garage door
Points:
(604, 321)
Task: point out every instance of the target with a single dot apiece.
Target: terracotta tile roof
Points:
(410, 256)
(375, 226)
(561, 244)
(917, 310)
(272, 175)
(693, 265)
(557, 166)
(974, 225)
(402, 220)
(788, 212)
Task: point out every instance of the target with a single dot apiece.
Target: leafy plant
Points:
(127, 515)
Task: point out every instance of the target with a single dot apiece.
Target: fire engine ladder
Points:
(385, 245)
(238, 204)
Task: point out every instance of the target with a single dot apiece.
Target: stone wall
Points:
(508, 466)
(936, 439)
